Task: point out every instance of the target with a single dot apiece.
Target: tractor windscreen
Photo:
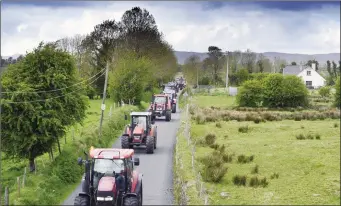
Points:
(160, 100)
(108, 166)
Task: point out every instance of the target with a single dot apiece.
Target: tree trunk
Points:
(51, 151)
(58, 145)
(32, 165)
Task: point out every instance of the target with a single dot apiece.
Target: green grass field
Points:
(308, 170)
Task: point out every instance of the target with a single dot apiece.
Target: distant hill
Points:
(321, 58)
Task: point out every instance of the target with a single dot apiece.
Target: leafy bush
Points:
(214, 168)
(337, 97)
(250, 94)
(245, 159)
(240, 180)
(242, 75)
(210, 139)
(243, 129)
(255, 182)
(324, 91)
(255, 169)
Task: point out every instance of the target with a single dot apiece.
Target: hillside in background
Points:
(321, 58)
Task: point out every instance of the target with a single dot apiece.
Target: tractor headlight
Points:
(108, 198)
(100, 198)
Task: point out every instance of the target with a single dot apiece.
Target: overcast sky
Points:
(290, 27)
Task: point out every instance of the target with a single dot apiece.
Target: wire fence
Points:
(16, 188)
(199, 184)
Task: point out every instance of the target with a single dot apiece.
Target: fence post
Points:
(24, 178)
(6, 196)
(110, 112)
(18, 183)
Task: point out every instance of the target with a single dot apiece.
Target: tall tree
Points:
(192, 68)
(293, 63)
(310, 63)
(249, 60)
(32, 122)
(101, 44)
(213, 61)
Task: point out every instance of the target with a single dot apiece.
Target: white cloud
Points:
(185, 25)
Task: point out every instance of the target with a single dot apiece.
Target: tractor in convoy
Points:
(110, 178)
(140, 132)
(172, 96)
(161, 106)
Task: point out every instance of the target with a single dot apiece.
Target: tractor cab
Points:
(140, 132)
(109, 178)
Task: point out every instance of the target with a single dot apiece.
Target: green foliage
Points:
(324, 91)
(129, 78)
(250, 94)
(242, 75)
(337, 101)
(288, 91)
(30, 129)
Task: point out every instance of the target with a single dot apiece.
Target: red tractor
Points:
(141, 131)
(172, 96)
(110, 178)
(161, 106)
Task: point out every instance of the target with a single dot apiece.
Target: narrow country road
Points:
(157, 168)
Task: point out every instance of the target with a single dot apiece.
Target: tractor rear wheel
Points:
(82, 201)
(168, 116)
(125, 142)
(131, 201)
(155, 142)
(150, 145)
(173, 108)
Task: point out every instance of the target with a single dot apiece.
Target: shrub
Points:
(245, 159)
(240, 180)
(210, 139)
(214, 146)
(243, 129)
(309, 136)
(284, 91)
(214, 168)
(274, 175)
(250, 94)
(255, 182)
(324, 91)
(300, 137)
(336, 125)
(337, 100)
(317, 136)
(200, 119)
(218, 124)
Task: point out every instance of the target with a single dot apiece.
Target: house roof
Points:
(293, 69)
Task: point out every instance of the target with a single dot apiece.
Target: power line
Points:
(43, 100)
(54, 90)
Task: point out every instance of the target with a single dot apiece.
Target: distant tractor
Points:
(140, 132)
(110, 178)
(161, 106)
(172, 97)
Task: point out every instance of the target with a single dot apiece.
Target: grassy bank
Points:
(268, 162)
(54, 180)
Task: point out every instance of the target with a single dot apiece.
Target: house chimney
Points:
(313, 65)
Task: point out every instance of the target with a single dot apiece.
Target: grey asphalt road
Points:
(157, 168)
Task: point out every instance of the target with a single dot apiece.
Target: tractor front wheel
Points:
(168, 116)
(150, 145)
(125, 143)
(131, 201)
(173, 108)
(82, 201)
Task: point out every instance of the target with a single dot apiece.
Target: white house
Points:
(308, 74)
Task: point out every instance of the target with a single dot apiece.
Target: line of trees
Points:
(242, 66)
(140, 59)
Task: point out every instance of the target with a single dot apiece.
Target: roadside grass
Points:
(45, 186)
(222, 101)
(298, 171)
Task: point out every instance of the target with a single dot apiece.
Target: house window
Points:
(309, 83)
(308, 73)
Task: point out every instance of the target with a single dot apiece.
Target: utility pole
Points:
(104, 96)
(227, 70)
